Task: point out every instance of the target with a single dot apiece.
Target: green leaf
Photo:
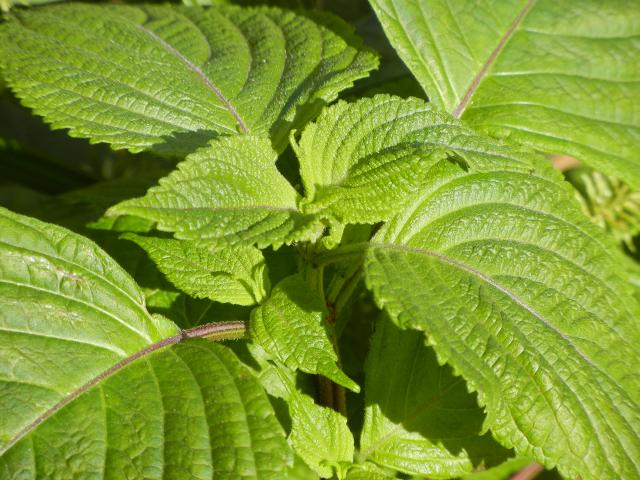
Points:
(195, 397)
(92, 386)
(419, 418)
(290, 326)
(368, 471)
(231, 275)
(320, 436)
(350, 156)
(349, 11)
(171, 78)
(230, 192)
(558, 76)
(301, 471)
(525, 298)
(68, 313)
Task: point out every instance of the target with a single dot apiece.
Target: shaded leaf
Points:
(419, 418)
(230, 275)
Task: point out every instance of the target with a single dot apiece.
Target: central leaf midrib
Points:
(475, 83)
(196, 332)
(494, 284)
(200, 73)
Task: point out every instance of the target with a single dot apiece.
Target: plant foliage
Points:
(277, 283)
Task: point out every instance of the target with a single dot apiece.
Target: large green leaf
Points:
(230, 191)
(92, 386)
(171, 78)
(559, 76)
(232, 275)
(419, 418)
(291, 326)
(522, 295)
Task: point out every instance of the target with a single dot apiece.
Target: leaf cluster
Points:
(298, 258)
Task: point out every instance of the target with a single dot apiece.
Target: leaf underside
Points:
(87, 391)
(171, 78)
(560, 77)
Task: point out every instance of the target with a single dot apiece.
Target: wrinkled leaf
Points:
(524, 297)
(561, 77)
(170, 78)
(90, 386)
(290, 326)
(230, 192)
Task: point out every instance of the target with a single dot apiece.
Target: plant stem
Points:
(330, 394)
(529, 472)
(338, 254)
(217, 331)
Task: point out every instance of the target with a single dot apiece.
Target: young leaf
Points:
(91, 386)
(320, 436)
(419, 418)
(290, 326)
(231, 275)
(558, 76)
(524, 298)
(171, 78)
(349, 159)
(230, 192)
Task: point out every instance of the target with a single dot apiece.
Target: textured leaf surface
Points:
(419, 418)
(68, 313)
(320, 436)
(171, 78)
(230, 275)
(359, 169)
(230, 191)
(522, 295)
(191, 410)
(290, 326)
(368, 471)
(559, 76)
(86, 390)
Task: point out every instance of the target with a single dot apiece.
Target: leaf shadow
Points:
(417, 394)
(180, 144)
